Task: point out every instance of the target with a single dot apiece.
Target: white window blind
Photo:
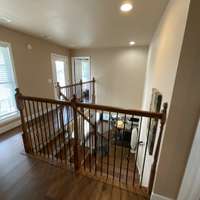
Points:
(7, 84)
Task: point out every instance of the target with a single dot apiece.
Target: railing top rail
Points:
(96, 107)
(76, 84)
(121, 110)
(46, 100)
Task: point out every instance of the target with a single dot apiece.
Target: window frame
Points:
(73, 66)
(16, 114)
(53, 57)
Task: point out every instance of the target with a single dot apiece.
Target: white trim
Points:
(15, 116)
(7, 44)
(9, 118)
(55, 56)
(73, 66)
(10, 126)
(159, 197)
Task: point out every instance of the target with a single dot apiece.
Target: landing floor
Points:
(23, 178)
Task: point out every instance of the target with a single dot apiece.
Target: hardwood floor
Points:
(24, 178)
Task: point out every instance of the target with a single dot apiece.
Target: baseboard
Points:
(10, 126)
(159, 197)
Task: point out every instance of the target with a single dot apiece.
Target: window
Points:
(86, 70)
(7, 83)
(60, 72)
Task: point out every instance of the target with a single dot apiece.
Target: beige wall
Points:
(33, 67)
(184, 111)
(163, 58)
(164, 51)
(120, 74)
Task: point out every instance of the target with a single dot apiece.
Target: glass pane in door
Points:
(85, 70)
(60, 72)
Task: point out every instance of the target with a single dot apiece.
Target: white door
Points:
(60, 71)
(81, 69)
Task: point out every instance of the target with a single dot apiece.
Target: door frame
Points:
(73, 65)
(64, 58)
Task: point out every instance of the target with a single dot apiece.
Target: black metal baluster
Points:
(83, 131)
(101, 149)
(108, 160)
(63, 132)
(40, 125)
(33, 128)
(95, 142)
(115, 146)
(36, 125)
(49, 135)
(138, 141)
(29, 128)
(54, 132)
(122, 148)
(59, 132)
(45, 131)
(128, 159)
(68, 135)
(90, 144)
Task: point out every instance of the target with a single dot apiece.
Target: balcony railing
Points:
(99, 141)
(84, 91)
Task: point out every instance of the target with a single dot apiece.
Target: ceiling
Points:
(84, 23)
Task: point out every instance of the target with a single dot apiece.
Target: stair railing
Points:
(56, 131)
(84, 91)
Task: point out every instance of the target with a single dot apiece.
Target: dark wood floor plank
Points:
(24, 178)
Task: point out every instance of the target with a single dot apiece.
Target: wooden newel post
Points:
(155, 162)
(81, 85)
(76, 136)
(58, 89)
(93, 92)
(20, 106)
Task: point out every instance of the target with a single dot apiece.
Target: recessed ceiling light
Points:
(126, 7)
(131, 43)
(5, 20)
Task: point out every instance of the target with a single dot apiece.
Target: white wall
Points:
(120, 74)
(163, 58)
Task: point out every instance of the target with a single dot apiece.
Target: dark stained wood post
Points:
(76, 136)
(58, 90)
(20, 106)
(154, 165)
(93, 92)
(81, 85)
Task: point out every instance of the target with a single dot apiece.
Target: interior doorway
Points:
(60, 70)
(81, 69)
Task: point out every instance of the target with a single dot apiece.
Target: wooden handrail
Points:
(121, 110)
(64, 97)
(47, 114)
(97, 107)
(76, 84)
(76, 89)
